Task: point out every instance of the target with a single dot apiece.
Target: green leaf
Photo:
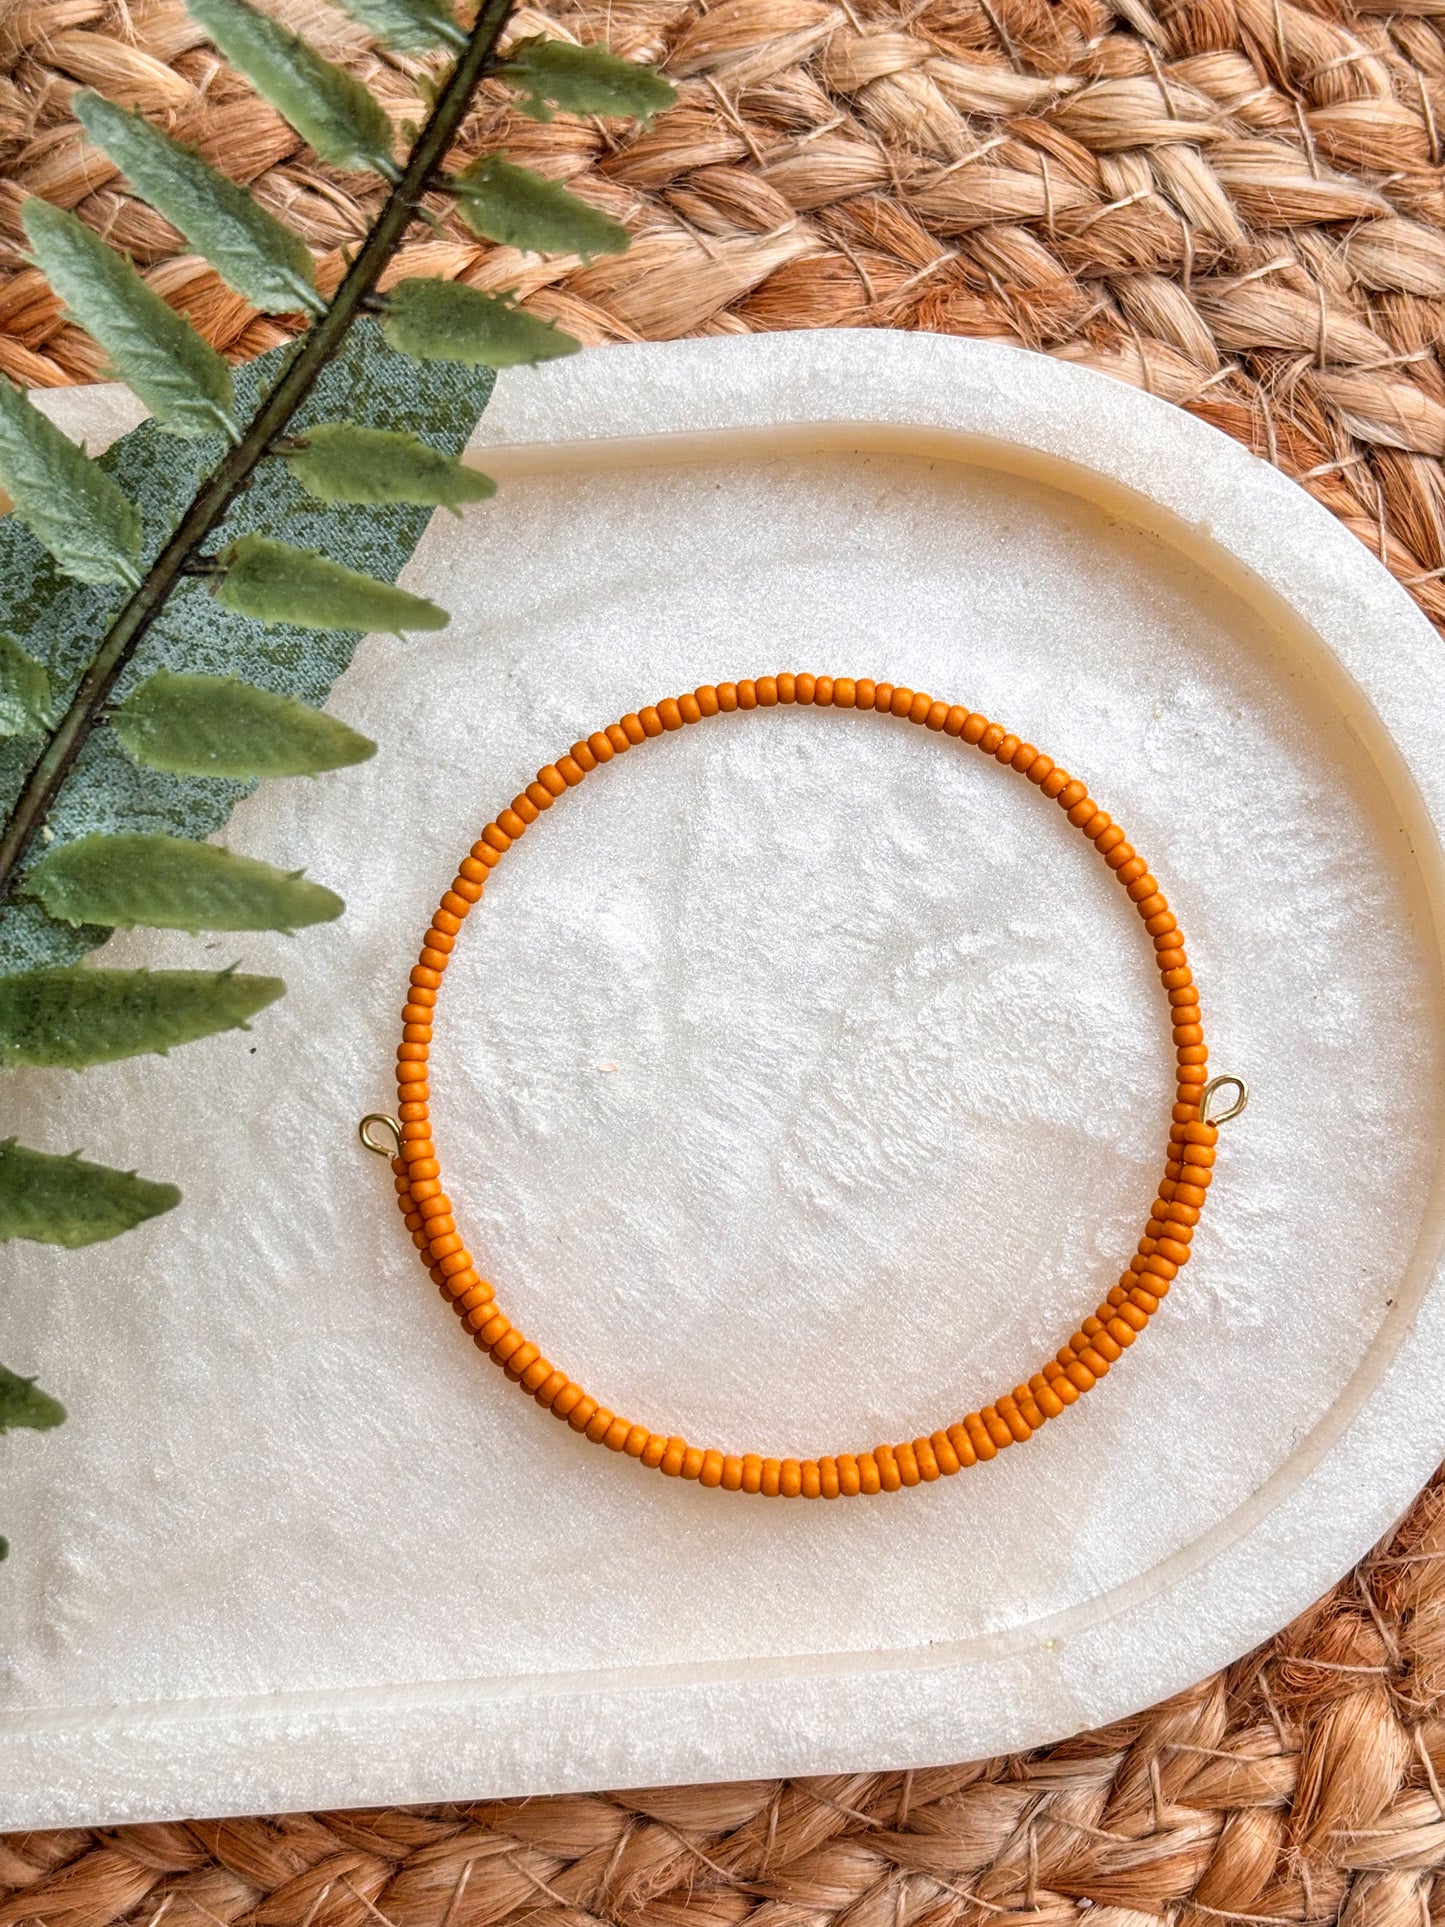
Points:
(215, 726)
(65, 1201)
(173, 883)
(24, 691)
(582, 80)
(64, 500)
(276, 583)
(445, 321)
(408, 24)
(180, 378)
(334, 114)
(60, 621)
(339, 462)
(67, 1019)
(253, 253)
(521, 209)
(23, 1403)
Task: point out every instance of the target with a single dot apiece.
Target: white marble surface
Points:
(802, 1080)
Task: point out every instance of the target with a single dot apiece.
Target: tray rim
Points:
(999, 406)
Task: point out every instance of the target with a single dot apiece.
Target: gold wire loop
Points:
(1217, 1084)
(363, 1131)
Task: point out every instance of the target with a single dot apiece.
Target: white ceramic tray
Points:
(804, 1082)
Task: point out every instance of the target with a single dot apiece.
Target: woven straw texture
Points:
(1303, 1785)
(1237, 204)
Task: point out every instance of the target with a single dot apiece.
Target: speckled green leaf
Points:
(276, 583)
(253, 253)
(25, 704)
(181, 379)
(60, 620)
(134, 878)
(23, 1403)
(446, 321)
(582, 80)
(66, 1201)
(408, 24)
(343, 463)
(68, 1019)
(216, 726)
(520, 209)
(334, 114)
(63, 498)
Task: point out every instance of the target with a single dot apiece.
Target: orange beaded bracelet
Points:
(1075, 1369)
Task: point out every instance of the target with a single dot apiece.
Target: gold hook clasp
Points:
(368, 1138)
(1241, 1098)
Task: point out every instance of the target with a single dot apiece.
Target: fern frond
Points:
(582, 80)
(338, 462)
(437, 320)
(332, 113)
(24, 691)
(193, 725)
(23, 1403)
(520, 209)
(131, 879)
(181, 379)
(275, 583)
(408, 25)
(51, 1200)
(70, 1019)
(262, 260)
(66, 502)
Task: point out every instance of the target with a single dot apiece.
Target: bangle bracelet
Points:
(1076, 1368)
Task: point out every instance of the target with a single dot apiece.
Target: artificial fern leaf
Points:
(339, 462)
(173, 883)
(59, 620)
(23, 1403)
(67, 1019)
(24, 691)
(408, 24)
(520, 209)
(333, 114)
(276, 583)
(63, 498)
(66, 1201)
(582, 80)
(438, 320)
(253, 253)
(215, 726)
(181, 379)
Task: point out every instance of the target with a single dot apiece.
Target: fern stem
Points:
(214, 497)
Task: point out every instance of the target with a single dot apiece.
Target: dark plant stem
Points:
(234, 471)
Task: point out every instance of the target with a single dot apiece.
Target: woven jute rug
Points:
(1237, 204)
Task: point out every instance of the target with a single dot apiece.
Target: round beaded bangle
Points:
(1076, 1368)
